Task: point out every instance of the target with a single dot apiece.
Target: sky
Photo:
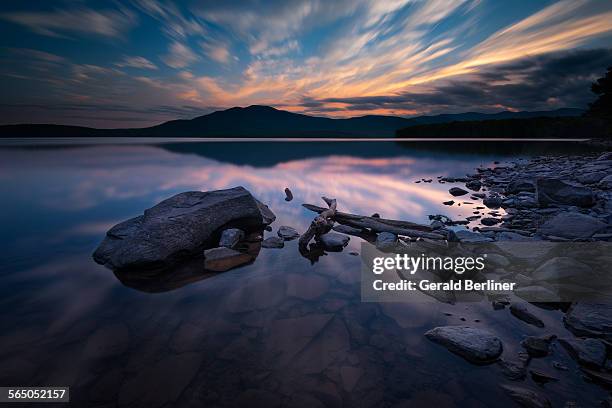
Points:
(133, 64)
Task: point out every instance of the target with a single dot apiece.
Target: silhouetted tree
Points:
(602, 107)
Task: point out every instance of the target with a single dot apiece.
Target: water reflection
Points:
(278, 332)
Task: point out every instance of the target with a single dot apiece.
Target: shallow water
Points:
(282, 330)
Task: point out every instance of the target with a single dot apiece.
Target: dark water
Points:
(278, 332)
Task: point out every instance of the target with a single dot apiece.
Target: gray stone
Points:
(230, 237)
(273, 242)
(572, 225)
(518, 185)
(493, 202)
(538, 346)
(386, 241)
(563, 269)
(489, 221)
(334, 242)
(474, 185)
(591, 177)
(287, 233)
(457, 191)
(555, 191)
(522, 312)
(605, 156)
(525, 397)
(222, 259)
(588, 352)
(178, 227)
(512, 370)
(535, 293)
(467, 237)
(590, 319)
(475, 345)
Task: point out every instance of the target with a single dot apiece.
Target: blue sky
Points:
(133, 64)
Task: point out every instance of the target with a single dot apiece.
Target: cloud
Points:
(218, 52)
(179, 55)
(543, 82)
(136, 62)
(174, 22)
(104, 23)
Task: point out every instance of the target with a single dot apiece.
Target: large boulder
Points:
(555, 191)
(590, 319)
(572, 225)
(178, 227)
(475, 345)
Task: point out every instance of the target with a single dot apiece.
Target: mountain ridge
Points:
(267, 121)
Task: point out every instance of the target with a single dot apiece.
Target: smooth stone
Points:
(493, 202)
(468, 237)
(475, 345)
(538, 346)
(474, 185)
(497, 260)
(222, 259)
(288, 194)
(450, 202)
(512, 370)
(599, 377)
(334, 242)
(563, 269)
(457, 191)
(540, 377)
(572, 225)
(535, 293)
(588, 352)
(287, 233)
(590, 319)
(273, 242)
(386, 241)
(489, 221)
(178, 227)
(592, 177)
(556, 191)
(230, 237)
(525, 397)
(522, 312)
(519, 185)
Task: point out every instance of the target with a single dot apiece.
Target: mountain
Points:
(265, 121)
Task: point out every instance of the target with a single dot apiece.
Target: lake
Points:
(282, 331)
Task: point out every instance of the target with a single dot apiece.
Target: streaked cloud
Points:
(57, 23)
(340, 58)
(179, 55)
(136, 62)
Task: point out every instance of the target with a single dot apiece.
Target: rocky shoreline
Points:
(553, 198)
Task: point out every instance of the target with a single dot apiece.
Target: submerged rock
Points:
(526, 397)
(475, 345)
(273, 242)
(556, 191)
(572, 225)
(590, 319)
(230, 237)
(334, 242)
(222, 259)
(521, 311)
(588, 352)
(287, 233)
(538, 346)
(493, 202)
(178, 227)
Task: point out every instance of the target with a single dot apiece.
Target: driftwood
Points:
(321, 224)
(375, 224)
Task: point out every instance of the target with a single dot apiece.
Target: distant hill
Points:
(526, 128)
(265, 121)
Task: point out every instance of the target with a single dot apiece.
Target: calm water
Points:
(281, 331)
